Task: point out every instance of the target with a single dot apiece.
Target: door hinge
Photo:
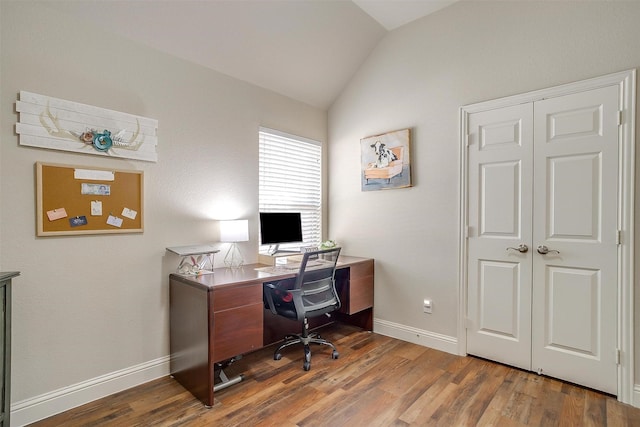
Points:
(618, 237)
(467, 232)
(466, 140)
(618, 356)
(620, 117)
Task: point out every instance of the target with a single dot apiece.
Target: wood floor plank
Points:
(594, 409)
(621, 415)
(425, 392)
(478, 402)
(377, 381)
(439, 399)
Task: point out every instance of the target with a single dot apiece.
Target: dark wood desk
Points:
(215, 317)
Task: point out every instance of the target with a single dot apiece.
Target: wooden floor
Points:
(377, 381)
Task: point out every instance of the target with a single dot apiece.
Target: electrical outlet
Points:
(427, 306)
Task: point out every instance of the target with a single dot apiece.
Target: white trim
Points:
(288, 135)
(626, 254)
(421, 337)
(45, 405)
(626, 81)
(619, 78)
(636, 395)
(463, 232)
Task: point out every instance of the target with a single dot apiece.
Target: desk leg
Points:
(189, 340)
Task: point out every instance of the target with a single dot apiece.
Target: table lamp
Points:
(234, 231)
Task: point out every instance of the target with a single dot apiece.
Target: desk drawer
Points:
(237, 296)
(237, 331)
(237, 320)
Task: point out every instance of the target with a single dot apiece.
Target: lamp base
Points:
(233, 259)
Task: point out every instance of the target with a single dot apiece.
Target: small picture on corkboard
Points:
(87, 200)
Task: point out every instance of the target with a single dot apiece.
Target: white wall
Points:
(418, 77)
(87, 306)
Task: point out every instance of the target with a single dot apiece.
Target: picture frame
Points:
(386, 161)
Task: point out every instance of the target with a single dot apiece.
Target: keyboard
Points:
(289, 267)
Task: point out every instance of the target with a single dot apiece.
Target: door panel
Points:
(499, 199)
(575, 290)
(499, 287)
(578, 122)
(574, 205)
(576, 331)
(499, 292)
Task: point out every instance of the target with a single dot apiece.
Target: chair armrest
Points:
(268, 290)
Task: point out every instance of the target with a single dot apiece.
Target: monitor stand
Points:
(275, 250)
(279, 258)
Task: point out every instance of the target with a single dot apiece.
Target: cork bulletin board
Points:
(88, 200)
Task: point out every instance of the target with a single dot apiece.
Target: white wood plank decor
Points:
(53, 123)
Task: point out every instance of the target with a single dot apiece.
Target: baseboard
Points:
(440, 342)
(45, 405)
(636, 396)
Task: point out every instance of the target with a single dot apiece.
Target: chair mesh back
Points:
(318, 294)
(316, 281)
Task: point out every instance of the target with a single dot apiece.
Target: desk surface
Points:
(225, 276)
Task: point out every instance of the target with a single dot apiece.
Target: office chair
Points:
(312, 293)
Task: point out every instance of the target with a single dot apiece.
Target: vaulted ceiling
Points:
(304, 49)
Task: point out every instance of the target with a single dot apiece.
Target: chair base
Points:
(310, 338)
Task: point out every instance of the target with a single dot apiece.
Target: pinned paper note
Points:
(97, 175)
(114, 220)
(129, 213)
(77, 221)
(56, 214)
(96, 208)
(95, 189)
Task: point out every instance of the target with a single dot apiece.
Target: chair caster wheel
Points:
(335, 354)
(277, 356)
(306, 366)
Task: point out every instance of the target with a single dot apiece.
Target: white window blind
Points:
(291, 180)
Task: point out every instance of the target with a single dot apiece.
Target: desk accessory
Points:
(234, 231)
(194, 259)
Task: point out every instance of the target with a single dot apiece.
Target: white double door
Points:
(542, 246)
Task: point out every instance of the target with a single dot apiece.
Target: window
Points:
(290, 180)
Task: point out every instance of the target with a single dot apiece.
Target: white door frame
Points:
(626, 81)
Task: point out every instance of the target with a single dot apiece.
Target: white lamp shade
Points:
(234, 231)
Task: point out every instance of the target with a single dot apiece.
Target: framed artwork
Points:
(386, 161)
(58, 124)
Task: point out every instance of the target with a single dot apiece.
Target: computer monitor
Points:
(280, 227)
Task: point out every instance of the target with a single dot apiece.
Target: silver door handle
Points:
(543, 250)
(522, 248)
